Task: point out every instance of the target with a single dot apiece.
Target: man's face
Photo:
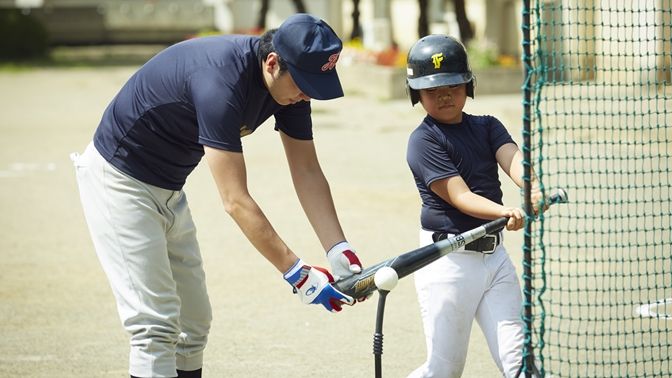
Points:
(445, 103)
(282, 87)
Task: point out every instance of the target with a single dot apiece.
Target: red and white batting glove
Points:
(344, 263)
(343, 260)
(313, 284)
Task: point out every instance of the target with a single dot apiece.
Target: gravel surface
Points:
(59, 316)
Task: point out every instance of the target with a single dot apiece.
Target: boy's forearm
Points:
(478, 206)
(517, 172)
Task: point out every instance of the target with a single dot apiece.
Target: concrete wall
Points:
(118, 21)
(122, 21)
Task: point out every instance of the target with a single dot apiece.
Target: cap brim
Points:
(322, 86)
(439, 80)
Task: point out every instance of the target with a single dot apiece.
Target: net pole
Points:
(528, 352)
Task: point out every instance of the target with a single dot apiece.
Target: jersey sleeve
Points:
(218, 106)
(498, 134)
(295, 121)
(428, 157)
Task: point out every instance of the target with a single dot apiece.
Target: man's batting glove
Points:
(343, 260)
(344, 263)
(313, 284)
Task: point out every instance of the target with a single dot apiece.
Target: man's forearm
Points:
(318, 204)
(259, 231)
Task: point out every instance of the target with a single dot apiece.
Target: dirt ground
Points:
(58, 314)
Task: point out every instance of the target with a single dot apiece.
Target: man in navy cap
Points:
(196, 98)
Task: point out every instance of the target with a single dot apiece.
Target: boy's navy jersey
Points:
(205, 91)
(437, 151)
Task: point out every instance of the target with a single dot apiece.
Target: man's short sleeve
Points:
(295, 121)
(218, 109)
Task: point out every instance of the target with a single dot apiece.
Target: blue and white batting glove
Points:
(343, 260)
(313, 284)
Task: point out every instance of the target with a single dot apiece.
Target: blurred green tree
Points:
(22, 36)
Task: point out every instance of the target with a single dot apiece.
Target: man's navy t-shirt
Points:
(437, 151)
(205, 91)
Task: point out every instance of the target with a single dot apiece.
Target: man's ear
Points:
(271, 62)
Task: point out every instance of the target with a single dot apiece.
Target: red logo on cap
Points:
(331, 63)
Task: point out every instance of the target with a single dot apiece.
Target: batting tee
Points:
(598, 122)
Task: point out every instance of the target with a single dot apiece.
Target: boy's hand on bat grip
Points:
(516, 218)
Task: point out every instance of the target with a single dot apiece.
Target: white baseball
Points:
(386, 278)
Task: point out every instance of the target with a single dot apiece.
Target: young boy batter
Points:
(454, 158)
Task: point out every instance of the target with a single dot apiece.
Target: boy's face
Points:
(445, 104)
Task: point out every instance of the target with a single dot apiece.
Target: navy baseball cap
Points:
(311, 48)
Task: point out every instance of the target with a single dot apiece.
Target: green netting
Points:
(598, 122)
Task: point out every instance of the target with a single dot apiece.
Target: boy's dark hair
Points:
(266, 47)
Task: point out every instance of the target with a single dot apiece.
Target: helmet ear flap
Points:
(413, 94)
(470, 86)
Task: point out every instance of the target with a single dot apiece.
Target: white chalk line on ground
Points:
(29, 358)
(23, 169)
(651, 309)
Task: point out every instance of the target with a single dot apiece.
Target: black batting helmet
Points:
(434, 61)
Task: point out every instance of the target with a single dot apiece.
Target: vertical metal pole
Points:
(378, 334)
(528, 353)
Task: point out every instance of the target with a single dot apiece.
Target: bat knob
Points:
(386, 278)
(560, 196)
